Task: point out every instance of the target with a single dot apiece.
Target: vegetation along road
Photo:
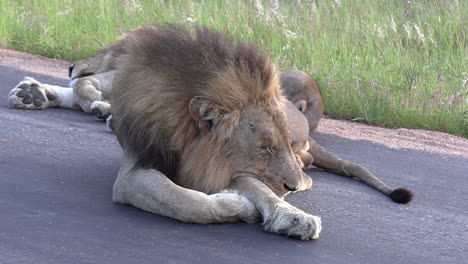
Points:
(391, 63)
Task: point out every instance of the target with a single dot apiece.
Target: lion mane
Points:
(156, 121)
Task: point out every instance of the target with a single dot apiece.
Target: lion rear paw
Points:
(101, 109)
(292, 222)
(30, 94)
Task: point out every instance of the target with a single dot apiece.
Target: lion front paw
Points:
(30, 94)
(292, 222)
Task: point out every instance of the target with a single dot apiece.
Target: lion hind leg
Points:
(89, 97)
(152, 191)
(32, 95)
(330, 162)
(87, 91)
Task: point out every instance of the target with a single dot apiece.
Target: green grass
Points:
(368, 56)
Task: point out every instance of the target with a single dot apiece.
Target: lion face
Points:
(80, 69)
(104, 61)
(263, 149)
(256, 141)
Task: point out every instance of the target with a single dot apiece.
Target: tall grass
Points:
(391, 63)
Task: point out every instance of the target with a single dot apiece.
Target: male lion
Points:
(206, 132)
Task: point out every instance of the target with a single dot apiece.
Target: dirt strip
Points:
(397, 138)
(34, 63)
(394, 138)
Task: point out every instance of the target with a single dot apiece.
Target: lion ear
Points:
(301, 105)
(203, 112)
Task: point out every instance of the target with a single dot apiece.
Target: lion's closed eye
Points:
(271, 151)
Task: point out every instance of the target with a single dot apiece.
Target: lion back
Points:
(164, 69)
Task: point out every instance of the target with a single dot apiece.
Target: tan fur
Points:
(304, 92)
(299, 87)
(206, 113)
(231, 89)
(222, 128)
(105, 60)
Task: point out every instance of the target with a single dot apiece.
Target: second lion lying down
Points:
(207, 133)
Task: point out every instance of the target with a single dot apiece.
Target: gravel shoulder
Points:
(401, 138)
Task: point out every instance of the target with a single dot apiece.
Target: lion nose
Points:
(292, 189)
(70, 70)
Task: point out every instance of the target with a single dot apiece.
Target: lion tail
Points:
(332, 163)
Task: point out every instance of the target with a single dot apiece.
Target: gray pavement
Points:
(57, 168)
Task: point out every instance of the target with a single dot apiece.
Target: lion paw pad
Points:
(29, 94)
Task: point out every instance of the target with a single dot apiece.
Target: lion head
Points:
(203, 110)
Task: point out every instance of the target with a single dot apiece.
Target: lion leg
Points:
(152, 191)
(278, 215)
(89, 97)
(33, 95)
(330, 162)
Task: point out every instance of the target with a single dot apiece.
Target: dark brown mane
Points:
(193, 59)
(171, 65)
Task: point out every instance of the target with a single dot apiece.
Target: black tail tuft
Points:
(401, 195)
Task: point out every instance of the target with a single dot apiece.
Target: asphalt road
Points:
(57, 168)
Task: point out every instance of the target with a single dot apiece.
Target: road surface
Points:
(57, 168)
